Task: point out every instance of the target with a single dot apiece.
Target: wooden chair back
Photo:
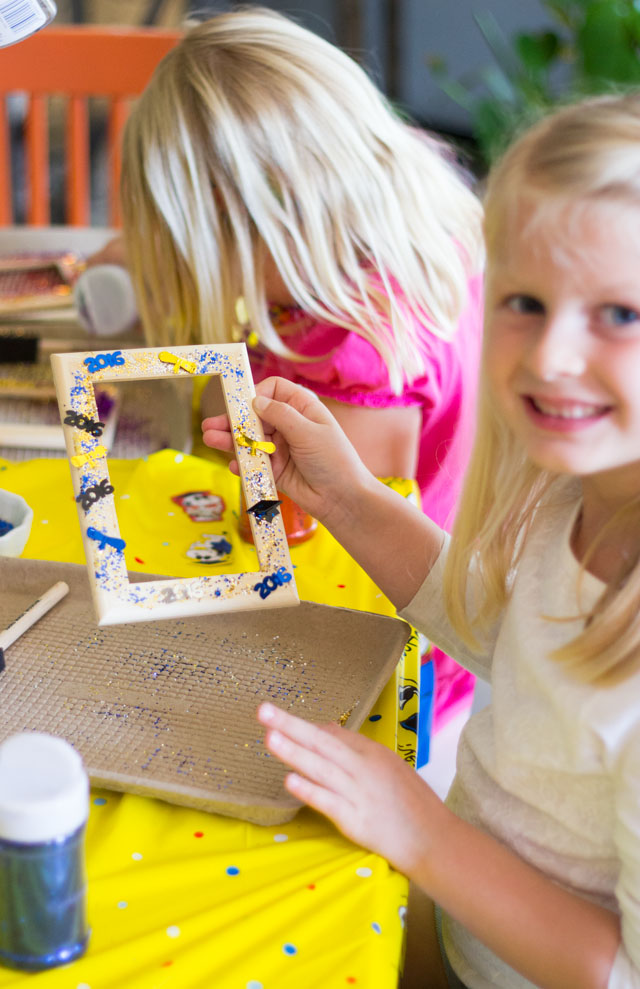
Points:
(76, 62)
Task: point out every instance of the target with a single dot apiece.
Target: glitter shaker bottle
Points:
(44, 801)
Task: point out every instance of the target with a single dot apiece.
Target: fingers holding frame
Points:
(216, 433)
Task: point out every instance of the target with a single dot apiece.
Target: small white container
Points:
(105, 300)
(14, 509)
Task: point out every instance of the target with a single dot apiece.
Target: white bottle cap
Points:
(105, 300)
(44, 789)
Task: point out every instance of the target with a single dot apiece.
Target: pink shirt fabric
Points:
(352, 371)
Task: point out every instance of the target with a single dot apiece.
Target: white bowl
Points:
(105, 300)
(15, 510)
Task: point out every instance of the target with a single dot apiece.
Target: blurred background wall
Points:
(394, 39)
(475, 71)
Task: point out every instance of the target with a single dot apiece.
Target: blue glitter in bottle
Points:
(44, 800)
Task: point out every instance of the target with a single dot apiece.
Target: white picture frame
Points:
(115, 598)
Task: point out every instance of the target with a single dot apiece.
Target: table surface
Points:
(183, 898)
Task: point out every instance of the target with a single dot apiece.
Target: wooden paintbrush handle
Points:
(33, 613)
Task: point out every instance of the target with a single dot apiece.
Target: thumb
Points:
(294, 425)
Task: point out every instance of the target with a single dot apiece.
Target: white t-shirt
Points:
(552, 767)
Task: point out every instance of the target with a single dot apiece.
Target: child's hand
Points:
(373, 796)
(314, 463)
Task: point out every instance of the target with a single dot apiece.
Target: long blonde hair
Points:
(583, 153)
(254, 136)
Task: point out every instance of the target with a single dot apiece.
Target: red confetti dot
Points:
(198, 834)
(342, 585)
(138, 560)
(351, 979)
(311, 886)
(166, 964)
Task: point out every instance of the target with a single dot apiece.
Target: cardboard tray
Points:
(167, 708)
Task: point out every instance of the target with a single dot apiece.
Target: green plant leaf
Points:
(633, 23)
(538, 51)
(457, 92)
(607, 46)
(503, 89)
(499, 44)
(437, 65)
(492, 128)
(566, 13)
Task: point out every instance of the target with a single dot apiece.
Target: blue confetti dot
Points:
(232, 870)
(289, 949)
(254, 985)
(375, 717)
(100, 801)
(376, 927)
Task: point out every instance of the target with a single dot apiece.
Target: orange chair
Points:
(76, 62)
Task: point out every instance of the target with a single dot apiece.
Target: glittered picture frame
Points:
(116, 599)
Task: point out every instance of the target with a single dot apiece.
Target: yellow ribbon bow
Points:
(178, 362)
(255, 445)
(83, 458)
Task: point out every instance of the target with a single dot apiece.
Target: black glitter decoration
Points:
(265, 509)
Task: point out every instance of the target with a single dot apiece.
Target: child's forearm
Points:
(554, 938)
(388, 536)
(318, 468)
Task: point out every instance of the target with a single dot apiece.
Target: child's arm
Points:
(317, 467)
(555, 939)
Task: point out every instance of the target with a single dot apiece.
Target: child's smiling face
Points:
(563, 340)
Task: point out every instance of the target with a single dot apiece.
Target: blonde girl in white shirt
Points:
(534, 859)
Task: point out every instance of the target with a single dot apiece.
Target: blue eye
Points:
(524, 304)
(619, 315)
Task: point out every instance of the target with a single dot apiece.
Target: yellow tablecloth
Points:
(181, 898)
